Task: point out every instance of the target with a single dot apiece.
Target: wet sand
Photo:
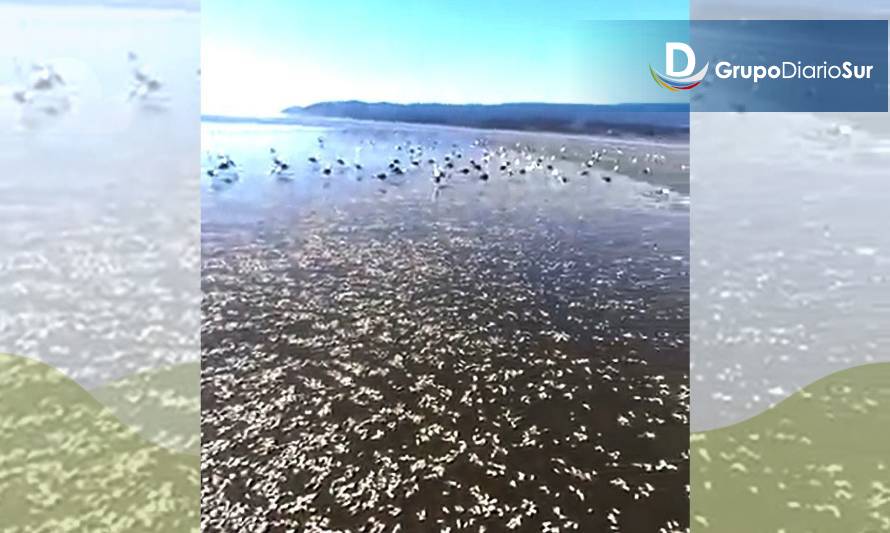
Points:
(509, 354)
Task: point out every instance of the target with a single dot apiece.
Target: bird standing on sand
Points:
(44, 89)
(224, 170)
(45, 77)
(438, 174)
(144, 85)
(279, 167)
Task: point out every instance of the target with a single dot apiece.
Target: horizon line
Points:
(283, 111)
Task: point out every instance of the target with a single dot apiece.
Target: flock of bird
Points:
(43, 88)
(478, 161)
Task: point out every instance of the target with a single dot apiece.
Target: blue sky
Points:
(259, 57)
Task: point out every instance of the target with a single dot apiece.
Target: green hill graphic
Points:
(818, 462)
(67, 463)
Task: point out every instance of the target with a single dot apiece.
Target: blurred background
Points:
(99, 265)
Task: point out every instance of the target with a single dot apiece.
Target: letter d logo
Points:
(670, 50)
(678, 80)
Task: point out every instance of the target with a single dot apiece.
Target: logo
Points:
(679, 80)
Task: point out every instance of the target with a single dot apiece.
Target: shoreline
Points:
(678, 136)
(671, 176)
